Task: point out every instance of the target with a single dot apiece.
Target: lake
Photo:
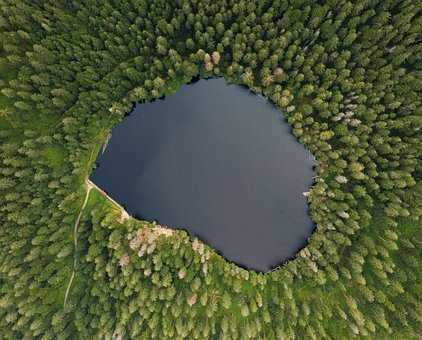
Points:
(221, 163)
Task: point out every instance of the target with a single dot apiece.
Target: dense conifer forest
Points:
(348, 77)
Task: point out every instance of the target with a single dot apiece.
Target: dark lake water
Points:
(219, 162)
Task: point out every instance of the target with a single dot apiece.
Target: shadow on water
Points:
(218, 162)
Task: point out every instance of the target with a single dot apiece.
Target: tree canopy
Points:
(346, 75)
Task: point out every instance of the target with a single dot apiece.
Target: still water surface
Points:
(219, 162)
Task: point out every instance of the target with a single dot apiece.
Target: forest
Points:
(348, 77)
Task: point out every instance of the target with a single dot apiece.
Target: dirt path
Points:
(75, 240)
(89, 186)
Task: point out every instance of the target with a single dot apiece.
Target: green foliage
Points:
(347, 76)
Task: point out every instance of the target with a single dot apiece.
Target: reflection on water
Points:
(221, 163)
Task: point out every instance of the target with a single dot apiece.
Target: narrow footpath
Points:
(75, 239)
(124, 215)
(89, 186)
